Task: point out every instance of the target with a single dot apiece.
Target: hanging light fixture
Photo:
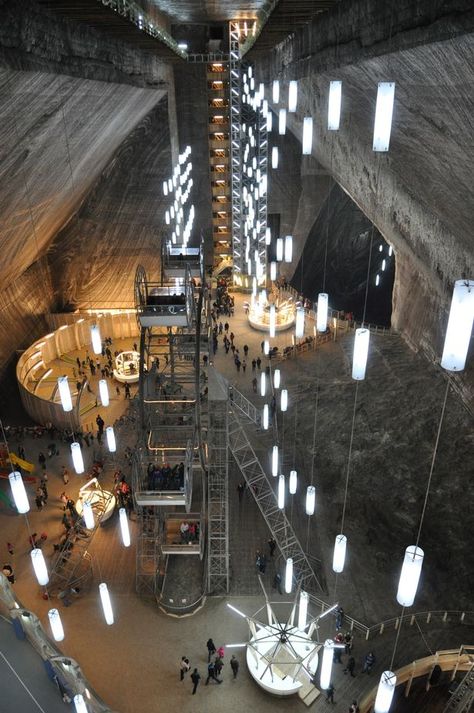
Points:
(339, 556)
(410, 575)
(106, 603)
(275, 157)
(276, 378)
(377, 280)
(322, 312)
(273, 270)
(276, 91)
(293, 482)
(310, 499)
(307, 140)
(303, 611)
(292, 96)
(265, 417)
(288, 248)
(289, 575)
(96, 340)
(385, 691)
(281, 491)
(272, 320)
(299, 326)
(334, 105)
(282, 122)
(361, 350)
(263, 383)
(326, 664)
(56, 624)
(104, 392)
(109, 432)
(269, 121)
(383, 116)
(19, 492)
(64, 393)
(77, 458)
(275, 461)
(279, 249)
(39, 565)
(458, 333)
(284, 399)
(124, 528)
(80, 704)
(88, 515)
(266, 347)
(268, 236)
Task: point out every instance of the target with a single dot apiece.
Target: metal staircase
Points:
(462, 700)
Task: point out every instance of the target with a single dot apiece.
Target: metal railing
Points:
(244, 405)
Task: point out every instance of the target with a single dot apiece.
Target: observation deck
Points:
(176, 261)
(164, 305)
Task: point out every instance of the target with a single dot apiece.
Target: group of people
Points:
(165, 477)
(215, 664)
(189, 531)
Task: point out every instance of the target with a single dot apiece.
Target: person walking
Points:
(211, 673)
(330, 693)
(218, 665)
(184, 666)
(369, 662)
(354, 708)
(339, 618)
(263, 564)
(10, 549)
(272, 545)
(254, 364)
(241, 490)
(234, 664)
(195, 678)
(211, 649)
(350, 666)
(254, 384)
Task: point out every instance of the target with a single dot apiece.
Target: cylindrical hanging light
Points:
(383, 116)
(276, 378)
(96, 340)
(307, 135)
(299, 326)
(273, 270)
(292, 95)
(334, 105)
(263, 383)
(385, 691)
(104, 392)
(339, 555)
(275, 461)
(310, 499)
(39, 565)
(293, 482)
(88, 515)
(106, 603)
(109, 432)
(276, 91)
(322, 312)
(303, 611)
(279, 249)
(289, 575)
(458, 333)
(361, 350)
(64, 393)
(124, 528)
(266, 347)
(56, 624)
(281, 491)
(268, 236)
(265, 417)
(272, 320)
(326, 664)
(288, 248)
(275, 157)
(282, 122)
(80, 704)
(269, 121)
(18, 491)
(284, 399)
(77, 459)
(410, 575)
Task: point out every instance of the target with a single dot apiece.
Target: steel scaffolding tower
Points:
(235, 142)
(462, 699)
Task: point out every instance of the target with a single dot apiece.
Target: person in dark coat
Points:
(195, 678)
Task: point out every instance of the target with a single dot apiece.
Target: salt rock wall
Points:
(120, 224)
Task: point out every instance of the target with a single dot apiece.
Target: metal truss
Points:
(148, 550)
(260, 487)
(236, 148)
(218, 499)
(245, 406)
(462, 699)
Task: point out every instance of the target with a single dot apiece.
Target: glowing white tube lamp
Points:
(275, 461)
(272, 320)
(299, 326)
(383, 116)
(88, 515)
(292, 96)
(273, 270)
(281, 491)
(56, 624)
(263, 383)
(385, 691)
(106, 603)
(339, 556)
(284, 400)
(458, 333)
(307, 141)
(80, 704)
(334, 105)
(19, 493)
(104, 392)
(322, 312)
(276, 378)
(275, 157)
(276, 91)
(96, 340)
(410, 575)
(282, 122)
(39, 565)
(288, 248)
(289, 575)
(109, 432)
(303, 611)
(268, 236)
(77, 458)
(326, 664)
(266, 347)
(269, 121)
(279, 249)
(310, 499)
(124, 528)
(265, 417)
(361, 350)
(293, 482)
(64, 393)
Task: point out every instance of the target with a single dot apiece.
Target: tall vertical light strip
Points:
(334, 105)
(383, 116)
